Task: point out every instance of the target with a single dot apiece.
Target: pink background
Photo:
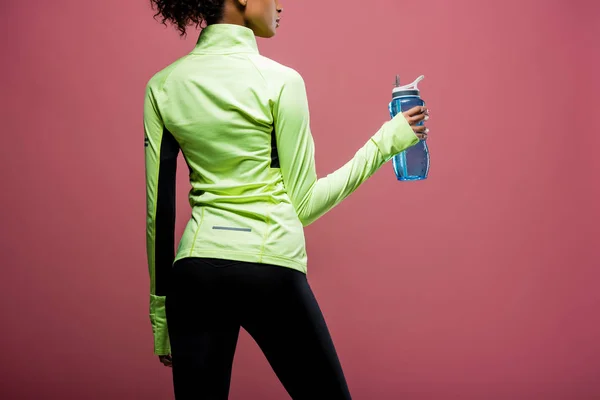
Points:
(479, 283)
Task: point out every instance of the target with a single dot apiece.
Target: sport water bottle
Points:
(413, 163)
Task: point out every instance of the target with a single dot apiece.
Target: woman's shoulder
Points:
(158, 79)
(274, 69)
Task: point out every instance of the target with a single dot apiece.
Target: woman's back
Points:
(242, 122)
(216, 105)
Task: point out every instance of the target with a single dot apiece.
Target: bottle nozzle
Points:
(410, 86)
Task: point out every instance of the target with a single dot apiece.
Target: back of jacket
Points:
(241, 121)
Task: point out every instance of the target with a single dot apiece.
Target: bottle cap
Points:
(411, 89)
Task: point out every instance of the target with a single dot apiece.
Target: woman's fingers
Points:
(421, 131)
(416, 115)
(417, 118)
(166, 360)
(415, 111)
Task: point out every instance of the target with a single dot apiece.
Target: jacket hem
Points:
(259, 258)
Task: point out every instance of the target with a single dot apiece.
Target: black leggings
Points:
(210, 299)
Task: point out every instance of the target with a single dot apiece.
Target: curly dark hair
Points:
(182, 13)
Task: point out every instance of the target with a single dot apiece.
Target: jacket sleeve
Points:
(313, 197)
(161, 152)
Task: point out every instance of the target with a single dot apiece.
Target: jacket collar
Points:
(226, 39)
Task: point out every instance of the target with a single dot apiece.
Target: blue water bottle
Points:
(413, 163)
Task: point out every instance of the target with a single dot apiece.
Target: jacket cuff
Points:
(158, 319)
(394, 137)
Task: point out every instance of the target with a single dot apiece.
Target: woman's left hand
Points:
(166, 360)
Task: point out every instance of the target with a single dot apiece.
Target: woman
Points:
(242, 123)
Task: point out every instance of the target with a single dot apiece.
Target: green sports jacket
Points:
(241, 121)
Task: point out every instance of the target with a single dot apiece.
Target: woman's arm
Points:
(313, 197)
(161, 152)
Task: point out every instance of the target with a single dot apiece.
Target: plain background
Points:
(478, 283)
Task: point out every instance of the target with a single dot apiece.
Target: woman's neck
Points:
(232, 14)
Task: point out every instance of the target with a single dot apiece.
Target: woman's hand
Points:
(166, 360)
(416, 115)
